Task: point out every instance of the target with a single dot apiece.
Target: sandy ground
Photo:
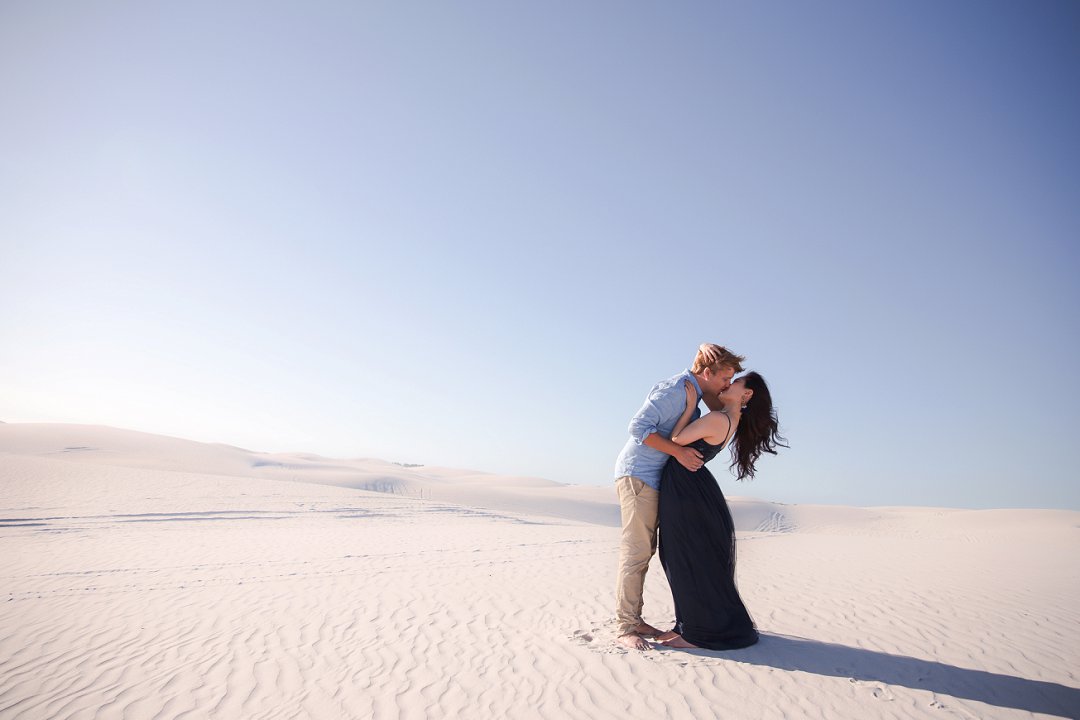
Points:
(151, 577)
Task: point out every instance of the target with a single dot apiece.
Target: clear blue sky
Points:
(475, 234)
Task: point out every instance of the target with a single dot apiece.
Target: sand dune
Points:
(152, 577)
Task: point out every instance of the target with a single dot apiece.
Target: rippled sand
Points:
(148, 577)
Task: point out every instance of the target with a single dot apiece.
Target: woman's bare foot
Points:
(663, 638)
(677, 642)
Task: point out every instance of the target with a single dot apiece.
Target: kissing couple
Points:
(664, 488)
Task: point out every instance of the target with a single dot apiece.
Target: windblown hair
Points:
(715, 357)
(758, 430)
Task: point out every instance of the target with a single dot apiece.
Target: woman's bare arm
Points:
(714, 427)
(708, 426)
(691, 403)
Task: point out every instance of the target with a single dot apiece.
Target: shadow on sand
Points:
(812, 656)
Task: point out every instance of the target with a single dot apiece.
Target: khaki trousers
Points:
(639, 504)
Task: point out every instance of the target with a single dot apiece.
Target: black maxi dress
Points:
(697, 550)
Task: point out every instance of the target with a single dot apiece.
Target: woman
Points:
(697, 535)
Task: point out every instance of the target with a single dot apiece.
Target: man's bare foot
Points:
(678, 642)
(633, 641)
(646, 630)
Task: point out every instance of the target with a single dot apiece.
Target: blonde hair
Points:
(714, 357)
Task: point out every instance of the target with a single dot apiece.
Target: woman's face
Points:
(736, 394)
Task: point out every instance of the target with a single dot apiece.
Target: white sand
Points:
(151, 577)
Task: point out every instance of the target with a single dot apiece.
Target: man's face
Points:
(719, 381)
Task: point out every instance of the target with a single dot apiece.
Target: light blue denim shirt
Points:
(663, 406)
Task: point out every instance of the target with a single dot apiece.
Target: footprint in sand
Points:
(583, 636)
(881, 692)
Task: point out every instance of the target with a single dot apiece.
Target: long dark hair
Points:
(758, 429)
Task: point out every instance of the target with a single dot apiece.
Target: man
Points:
(637, 478)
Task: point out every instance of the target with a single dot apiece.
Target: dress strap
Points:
(727, 436)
